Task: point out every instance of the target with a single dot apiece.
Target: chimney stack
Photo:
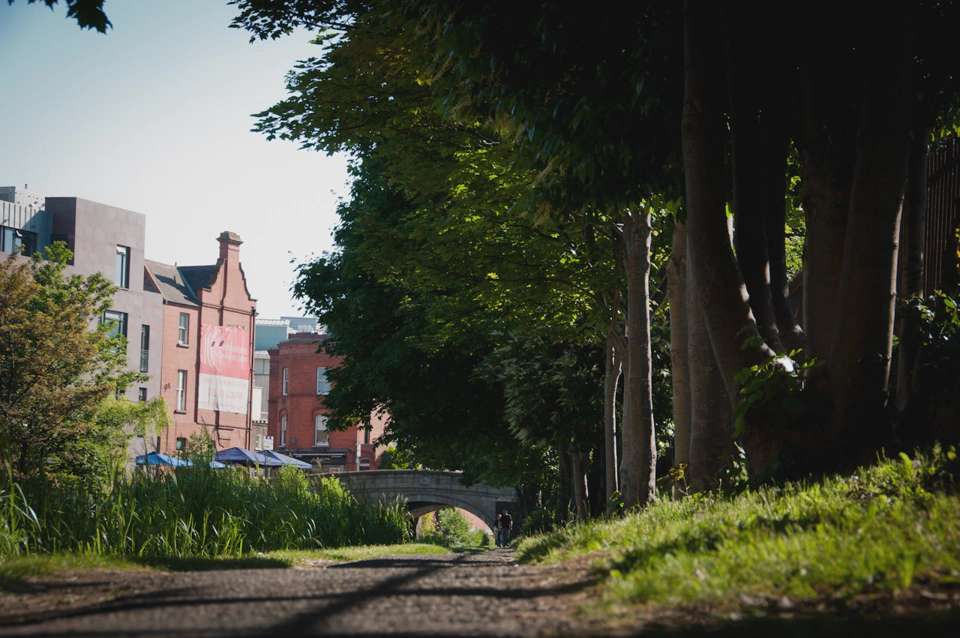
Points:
(229, 246)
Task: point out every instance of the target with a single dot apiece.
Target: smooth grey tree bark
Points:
(638, 469)
(611, 380)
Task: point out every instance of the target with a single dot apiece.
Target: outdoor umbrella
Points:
(240, 456)
(287, 460)
(155, 458)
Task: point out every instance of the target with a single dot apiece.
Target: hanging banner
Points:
(224, 369)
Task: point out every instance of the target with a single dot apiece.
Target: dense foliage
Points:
(56, 373)
(653, 123)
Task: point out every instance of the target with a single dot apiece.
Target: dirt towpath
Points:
(447, 595)
(485, 594)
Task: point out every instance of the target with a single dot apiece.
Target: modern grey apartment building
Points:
(103, 239)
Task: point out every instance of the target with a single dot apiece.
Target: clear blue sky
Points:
(155, 117)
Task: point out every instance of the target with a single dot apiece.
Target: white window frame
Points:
(283, 430)
(181, 390)
(123, 267)
(183, 335)
(323, 386)
(320, 425)
(285, 385)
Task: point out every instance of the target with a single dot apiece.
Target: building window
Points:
(323, 386)
(123, 267)
(284, 382)
(142, 395)
(283, 430)
(364, 465)
(320, 434)
(15, 240)
(144, 349)
(366, 436)
(118, 321)
(181, 390)
(183, 338)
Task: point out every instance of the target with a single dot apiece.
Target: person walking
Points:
(506, 526)
(496, 531)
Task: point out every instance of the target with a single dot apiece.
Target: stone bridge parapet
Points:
(427, 490)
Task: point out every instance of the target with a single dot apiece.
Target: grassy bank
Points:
(889, 528)
(195, 512)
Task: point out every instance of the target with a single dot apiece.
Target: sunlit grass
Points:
(363, 552)
(14, 570)
(890, 527)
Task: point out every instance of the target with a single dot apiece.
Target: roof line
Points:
(186, 283)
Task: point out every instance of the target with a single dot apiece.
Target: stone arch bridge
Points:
(426, 491)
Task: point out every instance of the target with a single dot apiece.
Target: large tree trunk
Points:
(775, 188)
(911, 262)
(761, 98)
(711, 443)
(679, 356)
(638, 470)
(712, 269)
(830, 103)
(610, 381)
(751, 126)
(859, 361)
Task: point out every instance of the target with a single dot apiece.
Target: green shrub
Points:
(451, 529)
(454, 528)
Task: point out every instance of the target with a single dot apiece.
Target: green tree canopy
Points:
(55, 371)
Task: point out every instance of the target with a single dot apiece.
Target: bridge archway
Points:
(418, 505)
(428, 489)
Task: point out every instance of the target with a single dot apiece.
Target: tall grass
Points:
(194, 512)
(887, 528)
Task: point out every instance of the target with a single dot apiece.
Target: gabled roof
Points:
(200, 276)
(179, 284)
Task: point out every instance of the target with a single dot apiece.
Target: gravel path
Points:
(447, 595)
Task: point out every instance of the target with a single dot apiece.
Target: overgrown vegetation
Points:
(888, 527)
(194, 512)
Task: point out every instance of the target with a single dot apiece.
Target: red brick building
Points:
(207, 339)
(297, 417)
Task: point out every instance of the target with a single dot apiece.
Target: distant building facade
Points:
(270, 332)
(298, 416)
(208, 348)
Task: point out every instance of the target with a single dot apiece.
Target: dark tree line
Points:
(703, 106)
(552, 163)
